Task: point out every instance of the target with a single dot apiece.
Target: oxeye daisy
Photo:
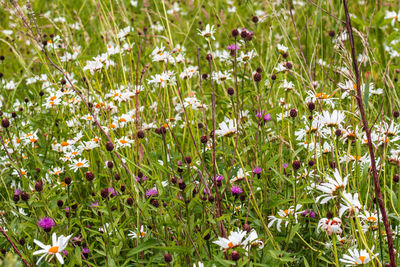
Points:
(208, 32)
(332, 188)
(59, 244)
(283, 215)
(226, 128)
(139, 234)
(357, 257)
(234, 240)
(78, 164)
(333, 119)
(330, 226)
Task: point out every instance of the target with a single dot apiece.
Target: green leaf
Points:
(143, 246)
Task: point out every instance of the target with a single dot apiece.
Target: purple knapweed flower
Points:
(233, 47)
(46, 223)
(151, 192)
(285, 165)
(257, 170)
(95, 205)
(112, 191)
(220, 178)
(236, 190)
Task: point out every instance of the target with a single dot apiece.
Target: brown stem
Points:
(13, 245)
(378, 192)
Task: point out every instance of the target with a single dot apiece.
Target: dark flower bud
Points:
(311, 106)
(104, 193)
(204, 76)
(89, 176)
(311, 163)
(63, 81)
(293, 113)
(2, 58)
(396, 178)
(117, 176)
(235, 256)
(26, 100)
(231, 91)
(329, 215)
(60, 203)
(110, 164)
(41, 93)
(123, 188)
(273, 77)
(109, 146)
(129, 201)
(211, 198)
(140, 134)
(140, 174)
(182, 185)
(254, 19)
(259, 70)
(285, 55)
(396, 114)
(44, 42)
(67, 180)
(174, 180)
(246, 227)
(188, 159)
(22, 241)
(235, 32)
(204, 139)
(25, 196)
(243, 34)
(75, 206)
(257, 77)
(5, 123)
(163, 131)
(155, 203)
(209, 57)
(207, 236)
(296, 164)
(167, 258)
(37, 170)
(16, 198)
(289, 65)
(338, 132)
(332, 33)
(39, 186)
(332, 164)
(200, 125)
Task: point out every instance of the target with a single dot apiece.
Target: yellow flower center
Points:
(53, 250)
(362, 259)
(79, 164)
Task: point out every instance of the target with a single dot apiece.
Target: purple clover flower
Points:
(46, 223)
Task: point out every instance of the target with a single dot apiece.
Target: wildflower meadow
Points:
(199, 133)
